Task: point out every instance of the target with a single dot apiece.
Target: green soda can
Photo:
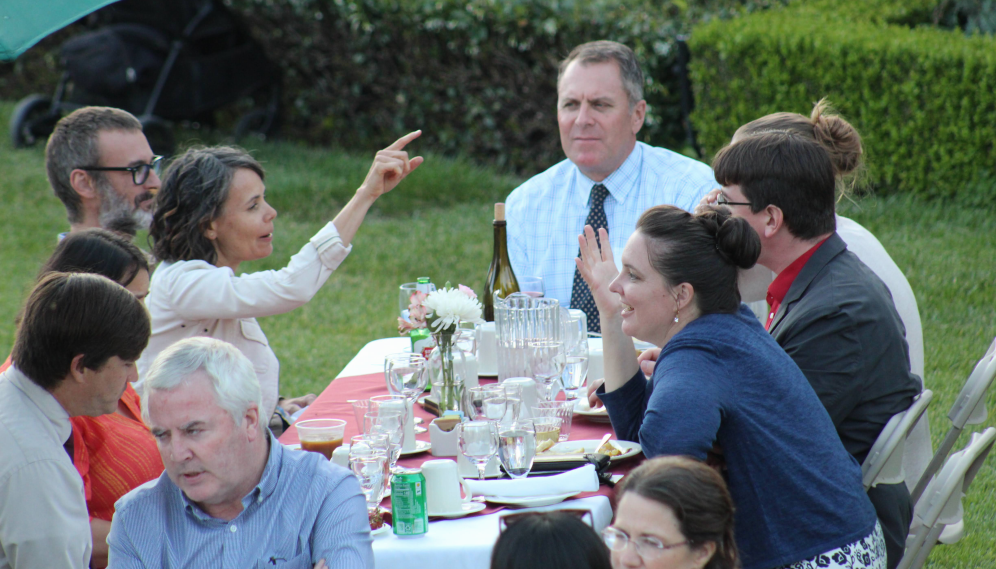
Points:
(408, 511)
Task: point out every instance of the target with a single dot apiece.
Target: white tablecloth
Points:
(450, 544)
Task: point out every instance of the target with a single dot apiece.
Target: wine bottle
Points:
(501, 279)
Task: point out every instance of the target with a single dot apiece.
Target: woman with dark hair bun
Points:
(548, 540)
(720, 379)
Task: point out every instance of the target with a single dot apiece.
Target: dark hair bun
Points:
(837, 135)
(736, 241)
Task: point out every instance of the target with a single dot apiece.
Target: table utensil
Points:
(486, 402)
(442, 487)
(532, 286)
(371, 471)
(547, 360)
(563, 410)
(321, 435)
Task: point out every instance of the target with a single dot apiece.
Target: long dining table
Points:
(456, 543)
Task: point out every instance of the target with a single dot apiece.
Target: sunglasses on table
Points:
(510, 520)
(139, 172)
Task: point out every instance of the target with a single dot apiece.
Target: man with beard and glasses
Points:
(102, 168)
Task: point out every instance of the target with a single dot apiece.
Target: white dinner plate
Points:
(382, 530)
(574, 450)
(420, 446)
(466, 509)
(600, 415)
(530, 501)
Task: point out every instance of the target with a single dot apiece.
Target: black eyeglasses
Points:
(139, 172)
(509, 520)
(722, 200)
(647, 547)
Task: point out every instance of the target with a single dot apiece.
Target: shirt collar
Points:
(263, 489)
(783, 282)
(619, 183)
(46, 402)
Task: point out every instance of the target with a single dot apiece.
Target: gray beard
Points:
(120, 216)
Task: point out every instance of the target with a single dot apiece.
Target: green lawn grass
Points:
(438, 223)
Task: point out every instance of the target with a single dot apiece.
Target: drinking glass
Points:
(321, 435)
(563, 410)
(370, 445)
(360, 408)
(533, 286)
(478, 442)
(575, 369)
(486, 402)
(390, 423)
(513, 400)
(370, 471)
(547, 431)
(547, 361)
(517, 447)
(405, 292)
(405, 374)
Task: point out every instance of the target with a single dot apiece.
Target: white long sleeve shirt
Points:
(196, 298)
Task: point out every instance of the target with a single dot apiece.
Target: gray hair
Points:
(192, 195)
(233, 378)
(73, 144)
(603, 51)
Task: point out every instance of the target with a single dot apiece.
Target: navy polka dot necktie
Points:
(580, 293)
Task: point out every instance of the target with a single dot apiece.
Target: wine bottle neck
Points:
(501, 249)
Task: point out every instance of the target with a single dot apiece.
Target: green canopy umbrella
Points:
(23, 23)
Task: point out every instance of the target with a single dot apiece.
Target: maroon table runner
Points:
(333, 403)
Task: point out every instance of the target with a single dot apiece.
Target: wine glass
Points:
(390, 423)
(533, 286)
(486, 402)
(513, 400)
(370, 470)
(517, 447)
(478, 442)
(372, 444)
(547, 361)
(406, 375)
(405, 293)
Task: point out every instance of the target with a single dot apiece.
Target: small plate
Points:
(382, 530)
(574, 450)
(466, 509)
(582, 408)
(420, 446)
(531, 501)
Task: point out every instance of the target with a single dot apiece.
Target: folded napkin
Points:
(581, 479)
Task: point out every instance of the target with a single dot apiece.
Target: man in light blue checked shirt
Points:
(231, 496)
(600, 109)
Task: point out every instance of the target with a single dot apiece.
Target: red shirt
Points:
(783, 282)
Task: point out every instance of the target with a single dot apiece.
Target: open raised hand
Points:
(390, 166)
(598, 269)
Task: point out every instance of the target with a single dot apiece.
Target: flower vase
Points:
(447, 370)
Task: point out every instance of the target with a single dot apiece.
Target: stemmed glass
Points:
(390, 423)
(370, 470)
(547, 361)
(406, 374)
(405, 292)
(576, 369)
(517, 447)
(513, 400)
(532, 286)
(486, 402)
(478, 442)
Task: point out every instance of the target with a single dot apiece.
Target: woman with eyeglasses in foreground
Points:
(721, 379)
(672, 513)
(548, 540)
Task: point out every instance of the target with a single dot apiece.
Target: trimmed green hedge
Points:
(923, 99)
(479, 76)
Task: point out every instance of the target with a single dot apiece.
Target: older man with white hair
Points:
(231, 496)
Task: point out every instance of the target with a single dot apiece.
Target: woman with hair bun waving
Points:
(720, 379)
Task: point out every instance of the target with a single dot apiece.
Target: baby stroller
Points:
(163, 61)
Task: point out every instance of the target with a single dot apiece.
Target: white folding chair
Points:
(941, 502)
(884, 463)
(968, 409)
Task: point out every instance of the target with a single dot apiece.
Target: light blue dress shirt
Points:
(547, 213)
(304, 509)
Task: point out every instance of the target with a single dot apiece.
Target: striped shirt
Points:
(304, 509)
(547, 213)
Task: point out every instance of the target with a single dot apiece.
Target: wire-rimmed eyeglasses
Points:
(647, 546)
(139, 172)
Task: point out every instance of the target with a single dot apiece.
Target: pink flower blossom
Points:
(468, 291)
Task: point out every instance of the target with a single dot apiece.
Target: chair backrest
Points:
(884, 463)
(941, 503)
(970, 406)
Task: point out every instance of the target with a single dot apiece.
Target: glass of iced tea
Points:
(321, 435)
(547, 431)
